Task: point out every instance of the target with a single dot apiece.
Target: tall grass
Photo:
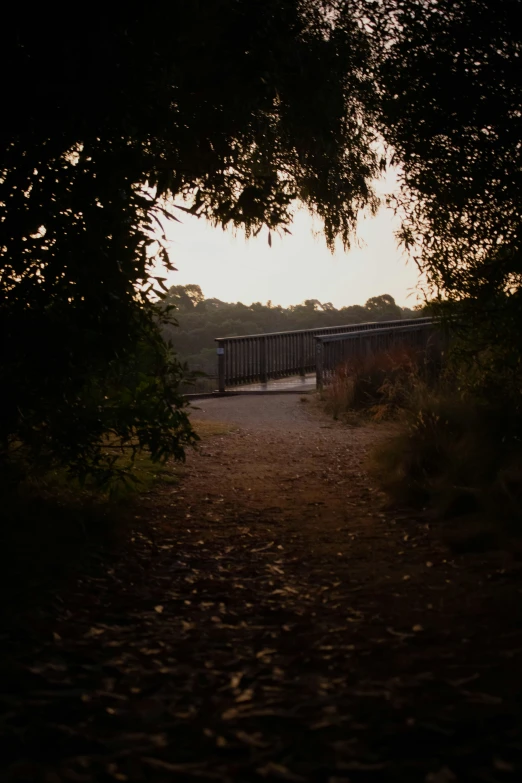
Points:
(461, 460)
(454, 455)
(379, 385)
(450, 451)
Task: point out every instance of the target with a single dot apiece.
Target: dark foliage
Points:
(240, 109)
(105, 119)
(451, 91)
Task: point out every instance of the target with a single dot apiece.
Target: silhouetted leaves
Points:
(102, 122)
(451, 111)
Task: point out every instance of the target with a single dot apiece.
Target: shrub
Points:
(380, 384)
(91, 421)
(456, 456)
(455, 448)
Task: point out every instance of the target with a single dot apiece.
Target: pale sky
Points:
(296, 267)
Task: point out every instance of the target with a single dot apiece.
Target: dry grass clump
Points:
(451, 452)
(379, 385)
(462, 460)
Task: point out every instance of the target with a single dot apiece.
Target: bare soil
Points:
(271, 620)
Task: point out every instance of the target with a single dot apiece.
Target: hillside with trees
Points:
(201, 320)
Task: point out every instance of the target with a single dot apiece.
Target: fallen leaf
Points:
(254, 740)
(263, 548)
(400, 634)
(235, 679)
(230, 714)
(92, 632)
(246, 695)
(444, 775)
(280, 771)
(503, 766)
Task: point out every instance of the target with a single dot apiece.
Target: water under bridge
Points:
(305, 359)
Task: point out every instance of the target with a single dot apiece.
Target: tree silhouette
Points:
(237, 109)
(452, 111)
(234, 111)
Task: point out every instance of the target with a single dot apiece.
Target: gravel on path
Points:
(272, 621)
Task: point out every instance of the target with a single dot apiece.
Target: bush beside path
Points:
(270, 620)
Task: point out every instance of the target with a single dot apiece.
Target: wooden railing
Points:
(257, 358)
(334, 350)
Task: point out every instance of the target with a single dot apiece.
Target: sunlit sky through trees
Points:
(297, 266)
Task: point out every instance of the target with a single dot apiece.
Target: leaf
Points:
(93, 632)
(245, 696)
(160, 764)
(263, 548)
(400, 634)
(279, 771)
(254, 740)
(444, 775)
(503, 766)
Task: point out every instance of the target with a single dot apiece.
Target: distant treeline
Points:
(201, 320)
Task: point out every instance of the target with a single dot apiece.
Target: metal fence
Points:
(257, 358)
(332, 351)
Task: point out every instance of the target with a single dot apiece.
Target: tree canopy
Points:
(235, 111)
(451, 109)
(205, 102)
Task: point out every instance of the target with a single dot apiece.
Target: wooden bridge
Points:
(260, 358)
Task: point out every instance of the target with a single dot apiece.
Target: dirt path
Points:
(272, 623)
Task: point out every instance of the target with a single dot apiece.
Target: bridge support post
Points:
(302, 358)
(221, 368)
(263, 375)
(319, 368)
